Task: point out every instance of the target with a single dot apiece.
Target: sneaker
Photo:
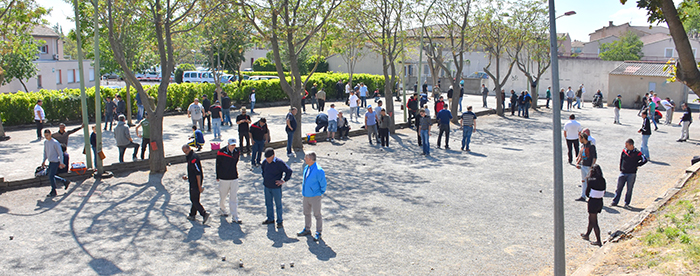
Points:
(280, 225)
(237, 221)
(224, 214)
(581, 199)
(268, 222)
(290, 154)
(446, 147)
(627, 206)
(65, 185)
(613, 204)
(206, 218)
(304, 233)
(317, 236)
(191, 218)
(51, 194)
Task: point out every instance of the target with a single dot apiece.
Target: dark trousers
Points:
(343, 131)
(321, 104)
(109, 117)
(145, 142)
(39, 128)
(384, 136)
(194, 198)
(241, 136)
(420, 139)
(258, 147)
(513, 106)
(411, 116)
(303, 104)
(625, 178)
(51, 173)
(321, 126)
(207, 119)
(122, 149)
(444, 128)
(569, 145)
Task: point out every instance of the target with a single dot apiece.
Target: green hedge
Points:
(263, 73)
(63, 105)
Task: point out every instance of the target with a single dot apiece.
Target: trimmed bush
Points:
(263, 64)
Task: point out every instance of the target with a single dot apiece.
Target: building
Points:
(54, 71)
(633, 79)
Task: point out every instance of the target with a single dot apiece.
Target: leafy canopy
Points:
(628, 47)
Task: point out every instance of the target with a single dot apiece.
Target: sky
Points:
(590, 15)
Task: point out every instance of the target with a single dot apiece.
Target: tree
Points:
(163, 19)
(686, 69)
(689, 12)
(18, 49)
(347, 39)
(181, 70)
(263, 64)
(291, 26)
(496, 39)
(628, 47)
(380, 21)
(533, 59)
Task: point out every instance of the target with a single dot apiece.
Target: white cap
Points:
(231, 141)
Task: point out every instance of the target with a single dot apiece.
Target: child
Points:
(595, 192)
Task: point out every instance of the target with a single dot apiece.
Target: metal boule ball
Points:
(223, 258)
(291, 264)
(240, 263)
(282, 265)
(12, 237)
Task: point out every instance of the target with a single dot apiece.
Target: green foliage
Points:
(689, 13)
(628, 47)
(181, 70)
(263, 64)
(263, 73)
(17, 46)
(62, 105)
(225, 39)
(322, 64)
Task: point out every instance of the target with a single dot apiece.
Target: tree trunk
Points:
(157, 154)
(454, 105)
(388, 98)
(535, 94)
(23, 85)
(2, 130)
(128, 104)
(687, 72)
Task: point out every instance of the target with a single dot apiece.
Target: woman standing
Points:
(595, 192)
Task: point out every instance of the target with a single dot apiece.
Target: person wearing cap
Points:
(121, 106)
(290, 128)
(371, 125)
(275, 173)
(313, 186)
(260, 135)
(195, 176)
(444, 117)
(617, 105)
(216, 116)
(146, 137)
(243, 122)
(227, 177)
(62, 135)
(206, 104)
(40, 117)
(196, 112)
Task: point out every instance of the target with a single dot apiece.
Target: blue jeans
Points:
(139, 115)
(290, 140)
(252, 107)
(561, 105)
(425, 136)
(584, 182)
(466, 136)
(652, 117)
(276, 196)
(94, 154)
(51, 173)
(257, 150)
(217, 127)
(460, 103)
(527, 109)
(578, 102)
(628, 178)
(363, 101)
(227, 116)
(645, 145)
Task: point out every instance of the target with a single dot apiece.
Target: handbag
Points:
(215, 146)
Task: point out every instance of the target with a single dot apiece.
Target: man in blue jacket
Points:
(313, 187)
(272, 170)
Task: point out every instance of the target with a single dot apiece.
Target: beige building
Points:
(634, 79)
(54, 71)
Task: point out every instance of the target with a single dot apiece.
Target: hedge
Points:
(63, 105)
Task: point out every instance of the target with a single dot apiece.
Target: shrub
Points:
(322, 63)
(263, 64)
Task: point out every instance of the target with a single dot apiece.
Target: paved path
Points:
(25, 152)
(386, 212)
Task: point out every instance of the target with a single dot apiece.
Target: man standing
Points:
(371, 124)
(321, 97)
(353, 102)
(339, 89)
(227, 177)
(52, 152)
(528, 104)
(579, 94)
(424, 130)
(384, 122)
(444, 117)
(121, 106)
(461, 96)
(124, 141)
(549, 96)
(363, 94)
(513, 102)
(669, 105)
(40, 118)
(195, 177)
(569, 98)
(646, 132)
(343, 126)
(62, 135)
(252, 101)
(226, 109)
(290, 128)
(468, 123)
(312, 189)
(110, 108)
(196, 112)
(617, 105)
(630, 160)
(572, 129)
(584, 162)
(412, 109)
(686, 120)
(243, 121)
(332, 122)
(273, 170)
(206, 104)
(312, 93)
(484, 94)
(146, 136)
(260, 135)
(216, 116)
(652, 115)
(561, 99)
(424, 87)
(139, 105)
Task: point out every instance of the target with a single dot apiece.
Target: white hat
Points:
(231, 141)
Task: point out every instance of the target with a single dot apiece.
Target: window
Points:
(77, 75)
(58, 77)
(668, 52)
(186, 75)
(91, 74)
(38, 82)
(426, 70)
(71, 76)
(410, 70)
(44, 49)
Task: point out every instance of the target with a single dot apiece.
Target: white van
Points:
(197, 77)
(263, 78)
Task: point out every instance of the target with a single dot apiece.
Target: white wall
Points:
(251, 55)
(48, 72)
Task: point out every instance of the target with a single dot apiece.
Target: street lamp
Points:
(559, 245)
(194, 56)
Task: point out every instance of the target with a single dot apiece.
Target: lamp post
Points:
(559, 245)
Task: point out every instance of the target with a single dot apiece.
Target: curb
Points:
(625, 230)
(138, 165)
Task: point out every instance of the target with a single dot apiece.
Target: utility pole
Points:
(98, 97)
(83, 97)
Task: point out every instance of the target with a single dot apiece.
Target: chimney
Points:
(610, 23)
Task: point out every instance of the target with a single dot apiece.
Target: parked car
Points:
(198, 77)
(248, 70)
(263, 78)
(479, 75)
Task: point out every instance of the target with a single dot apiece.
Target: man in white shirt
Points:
(669, 105)
(195, 112)
(39, 118)
(252, 102)
(583, 93)
(332, 122)
(354, 102)
(572, 129)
